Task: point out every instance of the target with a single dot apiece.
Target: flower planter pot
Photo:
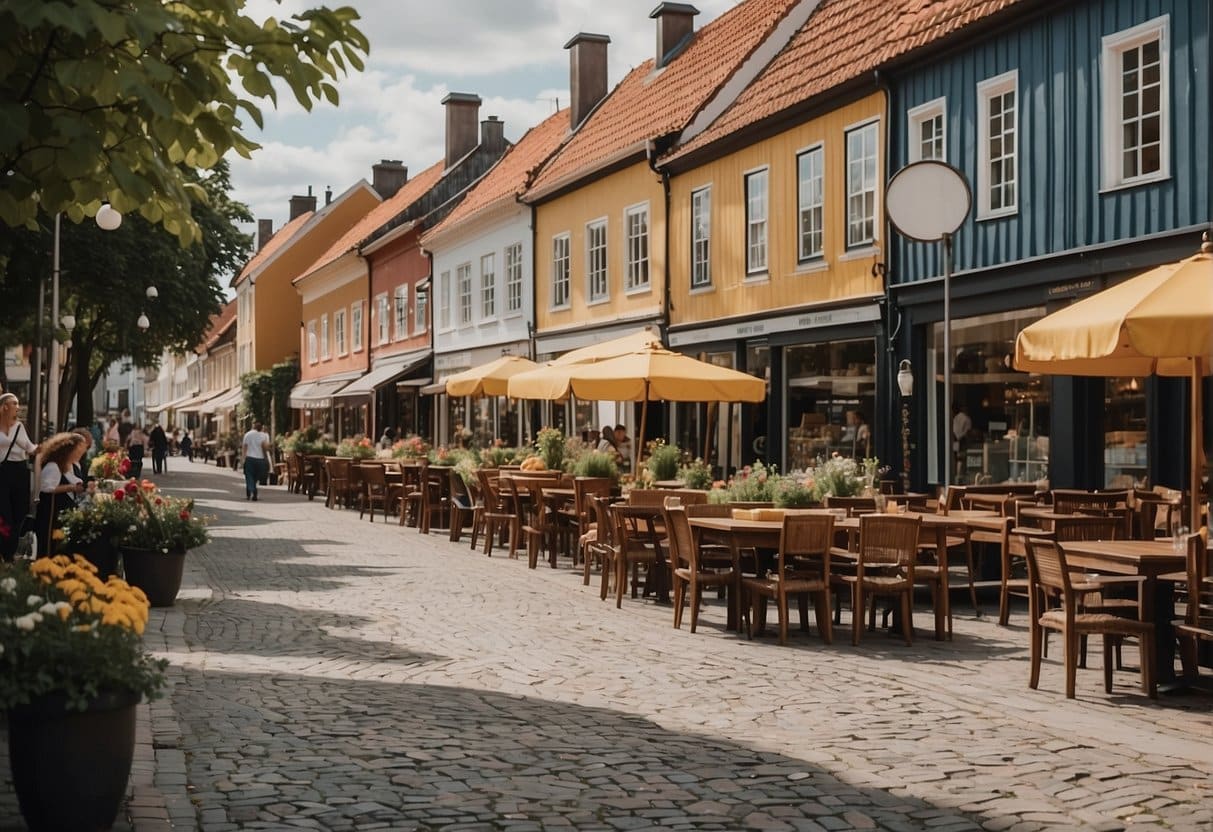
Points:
(157, 573)
(70, 768)
(101, 554)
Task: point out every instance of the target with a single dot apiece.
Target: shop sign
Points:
(785, 323)
(453, 361)
(1073, 289)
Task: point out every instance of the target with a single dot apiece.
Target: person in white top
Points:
(255, 448)
(16, 448)
(58, 483)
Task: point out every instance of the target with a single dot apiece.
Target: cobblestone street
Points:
(330, 673)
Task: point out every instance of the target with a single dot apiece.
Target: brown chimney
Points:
(388, 177)
(462, 115)
(675, 23)
(587, 74)
(300, 205)
(265, 230)
(492, 135)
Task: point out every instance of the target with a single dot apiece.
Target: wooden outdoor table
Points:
(1149, 559)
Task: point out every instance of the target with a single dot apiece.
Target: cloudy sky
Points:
(509, 52)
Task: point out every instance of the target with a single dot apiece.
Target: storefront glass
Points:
(1000, 417)
(710, 430)
(754, 416)
(1124, 455)
(831, 400)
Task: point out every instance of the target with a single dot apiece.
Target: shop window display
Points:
(831, 400)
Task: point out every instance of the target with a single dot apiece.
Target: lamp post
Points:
(905, 383)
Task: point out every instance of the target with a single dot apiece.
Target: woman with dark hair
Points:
(16, 448)
(58, 484)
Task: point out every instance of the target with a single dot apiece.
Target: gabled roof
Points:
(508, 178)
(841, 41)
(275, 243)
(219, 324)
(648, 104)
(380, 215)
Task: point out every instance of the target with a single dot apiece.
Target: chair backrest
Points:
(1083, 527)
(338, 467)
(709, 510)
(682, 541)
(520, 486)
(855, 506)
(374, 478)
(657, 496)
(1047, 573)
(806, 535)
(1066, 501)
(459, 489)
(888, 539)
(585, 488)
(602, 517)
(1200, 582)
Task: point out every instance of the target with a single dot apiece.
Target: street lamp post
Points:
(905, 383)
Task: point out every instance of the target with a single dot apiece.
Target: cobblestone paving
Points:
(330, 673)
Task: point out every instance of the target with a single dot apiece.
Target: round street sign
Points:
(927, 200)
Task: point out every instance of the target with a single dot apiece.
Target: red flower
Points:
(185, 515)
(124, 467)
(119, 495)
(131, 488)
(159, 501)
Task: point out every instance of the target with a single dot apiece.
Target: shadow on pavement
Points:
(281, 566)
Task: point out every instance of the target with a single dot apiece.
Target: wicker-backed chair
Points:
(691, 573)
(884, 565)
(1197, 623)
(1049, 578)
(802, 570)
(499, 513)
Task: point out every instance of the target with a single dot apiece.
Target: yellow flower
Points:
(65, 612)
(58, 535)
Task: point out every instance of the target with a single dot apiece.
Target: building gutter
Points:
(667, 304)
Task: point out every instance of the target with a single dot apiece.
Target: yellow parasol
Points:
(1158, 323)
(490, 379)
(638, 340)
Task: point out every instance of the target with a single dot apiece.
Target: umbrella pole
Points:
(644, 414)
(707, 439)
(1197, 445)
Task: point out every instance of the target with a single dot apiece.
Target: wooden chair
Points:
(1097, 504)
(884, 565)
(1049, 577)
(631, 549)
(585, 528)
(534, 521)
(292, 474)
(436, 498)
(802, 569)
(413, 488)
(604, 548)
(1197, 623)
(337, 489)
(499, 513)
(690, 572)
(855, 506)
(1151, 507)
(465, 508)
(305, 477)
(376, 491)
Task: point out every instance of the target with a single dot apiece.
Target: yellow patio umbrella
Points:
(491, 379)
(639, 340)
(1158, 323)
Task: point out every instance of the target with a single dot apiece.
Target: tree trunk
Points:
(85, 383)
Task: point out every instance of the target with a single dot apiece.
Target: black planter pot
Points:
(157, 573)
(101, 554)
(70, 768)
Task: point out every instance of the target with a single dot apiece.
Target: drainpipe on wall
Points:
(887, 389)
(371, 426)
(531, 325)
(650, 152)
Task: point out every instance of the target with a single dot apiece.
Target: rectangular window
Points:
(926, 139)
(701, 238)
(810, 195)
(313, 346)
(324, 338)
(488, 287)
(997, 171)
(444, 300)
(339, 331)
(636, 231)
(421, 312)
(513, 278)
(463, 279)
(560, 271)
(861, 184)
(1135, 101)
(356, 326)
(756, 222)
(597, 287)
(382, 316)
(401, 309)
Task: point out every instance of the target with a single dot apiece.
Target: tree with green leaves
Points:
(118, 100)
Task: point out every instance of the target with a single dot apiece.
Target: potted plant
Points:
(663, 460)
(597, 464)
(153, 546)
(550, 443)
(696, 474)
(753, 484)
(356, 447)
(411, 447)
(111, 465)
(72, 669)
(93, 528)
(793, 493)
(837, 476)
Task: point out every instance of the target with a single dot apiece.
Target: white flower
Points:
(28, 622)
(49, 608)
(8, 584)
(33, 601)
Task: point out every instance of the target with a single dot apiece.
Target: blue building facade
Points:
(1083, 130)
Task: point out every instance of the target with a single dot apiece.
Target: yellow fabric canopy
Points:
(609, 349)
(490, 379)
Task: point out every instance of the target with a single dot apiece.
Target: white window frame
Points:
(592, 252)
(701, 268)
(400, 311)
(754, 226)
(636, 262)
(381, 318)
(488, 287)
(916, 117)
(818, 151)
(863, 186)
(356, 320)
(313, 345)
(325, 350)
(444, 301)
(421, 303)
(463, 280)
(1114, 46)
(999, 85)
(339, 332)
(562, 252)
(513, 279)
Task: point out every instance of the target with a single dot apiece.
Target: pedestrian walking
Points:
(186, 445)
(136, 449)
(58, 483)
(159, 442)
(255, 448)
(16, 449)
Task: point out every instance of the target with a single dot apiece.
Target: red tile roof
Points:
(648, 104)
(278, 241)
(842, 40)
(509, 176)
(219, 324)
(380, 215)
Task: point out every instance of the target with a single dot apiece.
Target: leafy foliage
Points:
(103, 101)
(663, 460)
(696, 474)
(550, 443)
(594, 463)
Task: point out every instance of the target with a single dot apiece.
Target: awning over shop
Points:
(384, 372)
(193, 405)
(174, 404)
(227, 400)
(318, 394)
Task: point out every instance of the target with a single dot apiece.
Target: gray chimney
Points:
(587, 74)
(328, 194)
(462, 115)
(388, 177)
(265, 230)
(492, 135)
(300, 205)
(675, 23)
